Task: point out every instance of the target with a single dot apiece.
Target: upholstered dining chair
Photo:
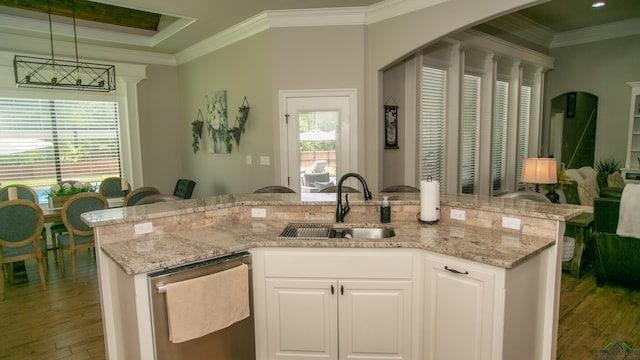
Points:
(138, 194)
(111, 187)
(184, 188)
(79, 235)
(21, 223)
(274, 189)
(156, 198)
(23, 192)
(334, 189)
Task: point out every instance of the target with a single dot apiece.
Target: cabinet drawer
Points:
(340, 263)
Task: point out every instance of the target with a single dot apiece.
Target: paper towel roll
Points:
(429, 200)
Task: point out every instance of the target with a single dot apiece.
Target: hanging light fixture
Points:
(53, 73)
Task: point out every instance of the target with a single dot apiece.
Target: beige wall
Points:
(316, 58)
(306, 58)
(394, 159)
(161, 128)
(601, 68)
(242, 69)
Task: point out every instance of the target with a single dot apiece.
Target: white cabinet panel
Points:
(375, 319)
(460, 310)
(302, 319)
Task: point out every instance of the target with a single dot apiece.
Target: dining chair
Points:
(334, 189)
(155, 198)
(184, 188)
(274, 189)
(111, 187)
(79, 235)
(25, 192)
(401, 188)
(21, 223)
(138, 194)
(22, 192)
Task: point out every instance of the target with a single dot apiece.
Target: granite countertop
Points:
(153, 252)
(501, 249)
(506, 206)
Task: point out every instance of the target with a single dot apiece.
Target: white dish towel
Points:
(629, 219)
(197, 307)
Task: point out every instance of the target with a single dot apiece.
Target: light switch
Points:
(249, 160)
(264, 160)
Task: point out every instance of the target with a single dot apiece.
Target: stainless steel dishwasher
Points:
(236, 342)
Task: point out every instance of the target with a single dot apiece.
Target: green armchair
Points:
(617, 258)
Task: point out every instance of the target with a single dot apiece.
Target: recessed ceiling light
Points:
(598, 4)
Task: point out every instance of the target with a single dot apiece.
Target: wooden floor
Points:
(64, 322)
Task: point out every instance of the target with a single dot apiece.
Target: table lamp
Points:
(540, 171)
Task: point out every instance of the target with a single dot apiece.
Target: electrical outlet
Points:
(457, 214)
(143, 228)
(510, 223)
(249, 160)
(259, 213)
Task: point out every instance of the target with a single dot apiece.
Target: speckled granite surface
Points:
(192, 239)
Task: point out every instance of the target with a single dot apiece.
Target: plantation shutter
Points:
(46, 141)
(499, 152)
(524, 121)
(432, 124)
(470, 133)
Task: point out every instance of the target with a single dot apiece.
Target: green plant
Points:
(608, 165)
(67, 188)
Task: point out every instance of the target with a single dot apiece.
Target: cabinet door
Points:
(459, 310)
(375, 319)
(302, 319)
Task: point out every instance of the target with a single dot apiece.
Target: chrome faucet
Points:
(341, 211)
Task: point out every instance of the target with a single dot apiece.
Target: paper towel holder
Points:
(429, 222)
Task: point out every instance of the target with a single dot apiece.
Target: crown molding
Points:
(524, 28)
(350, 16)
(597, 33)
(15, 23)
(391, 8)
(26, 45)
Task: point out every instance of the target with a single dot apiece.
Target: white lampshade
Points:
(540, 171)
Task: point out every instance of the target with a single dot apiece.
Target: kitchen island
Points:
(509, 276)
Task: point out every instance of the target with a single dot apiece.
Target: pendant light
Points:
(33, 72)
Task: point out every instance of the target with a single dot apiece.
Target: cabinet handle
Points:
(331, 289)
(456, 271)
(341, 289)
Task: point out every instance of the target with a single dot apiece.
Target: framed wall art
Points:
(390, 127)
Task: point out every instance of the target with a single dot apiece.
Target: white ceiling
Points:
(193, 21)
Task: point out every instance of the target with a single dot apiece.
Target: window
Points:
(46, 141)
(499, 151)
(524, 121)
(470, 133)
(432, 124)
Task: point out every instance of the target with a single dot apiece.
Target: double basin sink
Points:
(331, 231)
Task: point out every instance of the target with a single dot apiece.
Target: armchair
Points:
(617, 258)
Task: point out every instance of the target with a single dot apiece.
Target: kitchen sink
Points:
(328, 231)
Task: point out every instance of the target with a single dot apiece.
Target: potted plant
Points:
(61, 192)
(606, 167)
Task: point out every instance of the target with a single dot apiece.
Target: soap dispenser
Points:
(385, 211)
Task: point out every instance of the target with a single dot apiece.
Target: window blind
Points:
(499, 151)
(524, 122)
(432, 124)
(46, 141)
(470, 132)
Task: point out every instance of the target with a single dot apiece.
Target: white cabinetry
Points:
(631, 171)
(460, 301)
(479, 311)
(337, 304)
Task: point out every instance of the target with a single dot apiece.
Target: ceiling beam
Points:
(91, 11)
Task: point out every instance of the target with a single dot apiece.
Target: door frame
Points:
(348, 135)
